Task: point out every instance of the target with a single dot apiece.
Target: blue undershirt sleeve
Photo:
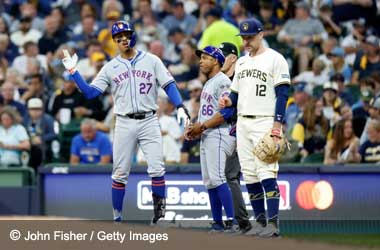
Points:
(227, 113)
(282, 94)
(234, 98)
(173, 93)
(88, 91)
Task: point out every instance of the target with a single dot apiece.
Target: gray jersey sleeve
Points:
(101, 80)
(222, 88)
(163, 76)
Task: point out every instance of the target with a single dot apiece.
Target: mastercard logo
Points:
(311, 195)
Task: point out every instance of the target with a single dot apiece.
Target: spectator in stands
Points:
(4, 27)
(370, 150)
(367, 61)
(69, 98)
(7, 98)
(339, 65)
(270, 22)
(212, 35)
(90, 146)
(361, 107)
(149, 31)
(195, 89)
(52, 37)
(296, 104)
(31, 51)
(8, 51)
(114, 5)
(179, 18)
(143, 8)
(85, 65)
(375, 76)
(105, 35)
(301, 33)
(171, 132)
(374, 114)
(157, 48)
(331, 27)
(344, 94)
(29, 9)
(176, 40)
(331, 102)
(351, 43)
(59, 14)
(284, 10)
(345, 10)
(203, 7)
(315, 77)
(18, 82)
(82, 26)
(13, 138)
(25, 33)
(236, 12)
(88, 33)
(343, 147)
(40, 127)
(190, 151)
(312, 129)
(36, 89)
(187, 68)
(327, 46)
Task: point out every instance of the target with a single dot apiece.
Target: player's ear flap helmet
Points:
(212, 51)
(250, 26)
(122, 26)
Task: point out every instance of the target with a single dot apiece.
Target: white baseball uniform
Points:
(255, 81)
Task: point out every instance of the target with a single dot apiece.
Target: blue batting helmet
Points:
(212, 51)
(250, 26)
(123, 26)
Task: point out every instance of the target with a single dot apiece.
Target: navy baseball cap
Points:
(213, 52)
(216, 11)
(228, 48)
(250, 26)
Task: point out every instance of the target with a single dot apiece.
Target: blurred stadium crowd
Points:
(332, 47)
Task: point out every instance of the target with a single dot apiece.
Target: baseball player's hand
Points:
(224, 101)
(70, 62)
(196, 130)
(183, 116)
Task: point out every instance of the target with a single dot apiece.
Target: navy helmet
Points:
(250, 26)
(213, 52)
(123, 26)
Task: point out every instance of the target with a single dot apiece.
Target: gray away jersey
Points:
(213, 89)
(134, 83)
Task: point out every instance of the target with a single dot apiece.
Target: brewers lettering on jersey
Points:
(259, 90)
(134, 78)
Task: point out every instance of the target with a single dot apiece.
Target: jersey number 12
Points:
(260, 90)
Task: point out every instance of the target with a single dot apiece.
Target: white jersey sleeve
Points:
(163, 76)
(280, 71)
(235, 82)
(101, 80)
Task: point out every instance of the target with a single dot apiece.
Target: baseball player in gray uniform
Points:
(216, 144)
(232, 168)
(134, 78)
